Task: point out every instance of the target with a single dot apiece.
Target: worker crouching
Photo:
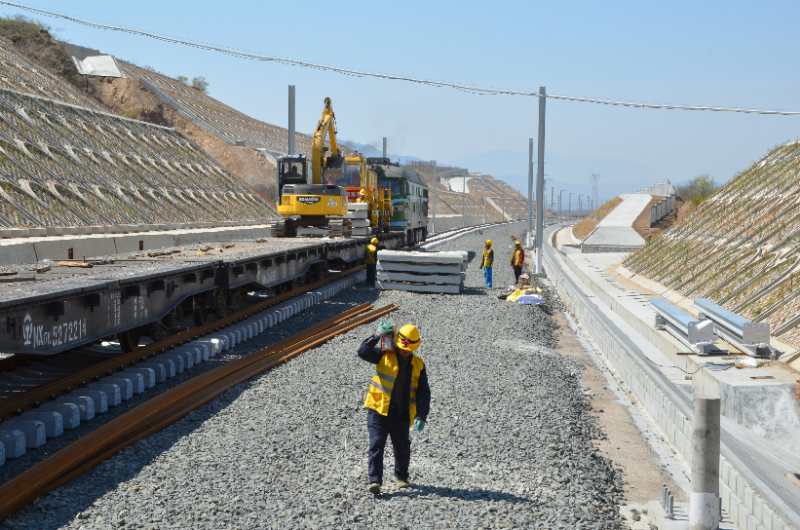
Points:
(398, 397)
(371, 261)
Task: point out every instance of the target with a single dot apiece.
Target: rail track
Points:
(168, 407)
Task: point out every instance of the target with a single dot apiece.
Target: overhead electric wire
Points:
(472, 89)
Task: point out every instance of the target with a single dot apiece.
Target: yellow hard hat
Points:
(408, 338)
(362, 191)
(517, 242)
(488, 242)
(373, 241)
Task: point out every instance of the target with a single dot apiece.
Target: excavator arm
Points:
(325, 126)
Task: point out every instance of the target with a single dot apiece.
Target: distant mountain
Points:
(374, 150)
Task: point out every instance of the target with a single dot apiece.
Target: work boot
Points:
(375, 488)
(402, 483)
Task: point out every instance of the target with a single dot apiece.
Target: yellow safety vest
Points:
(488, 258)
(372, 255)
(379, 393)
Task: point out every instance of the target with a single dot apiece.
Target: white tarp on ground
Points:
(97, 65)
(616, 229)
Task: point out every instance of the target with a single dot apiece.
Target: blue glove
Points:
(386, 327)
(419, 425)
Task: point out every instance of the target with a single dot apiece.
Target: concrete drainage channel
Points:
(33, 428)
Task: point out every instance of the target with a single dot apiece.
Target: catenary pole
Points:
(540, 182)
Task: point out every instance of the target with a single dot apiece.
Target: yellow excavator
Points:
(321, 204)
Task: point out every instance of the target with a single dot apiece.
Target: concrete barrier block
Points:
(148, 375)
(13, 441)
(87, 401)
(159, 369)
(53, 421)
(34, 431)
(126, 385)
(187, 355)
(70, 412)
(112, 391)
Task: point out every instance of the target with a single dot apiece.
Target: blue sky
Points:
(730, 53)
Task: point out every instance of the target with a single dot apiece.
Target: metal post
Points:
(580, 205)
(483, 207)
(560, 203)
(552, 198)
(569, 207)
(530, 186)
(540, 183)
(434, 192)
(385, 151)
(290, 143)
(704, 505)
(464, 205)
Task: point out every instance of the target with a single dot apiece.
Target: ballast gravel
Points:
(508, 444)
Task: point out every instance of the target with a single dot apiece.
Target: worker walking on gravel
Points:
(517, 259)
(372, 261)
(398, 397)
(486, 263)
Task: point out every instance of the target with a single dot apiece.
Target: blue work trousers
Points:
(381, 427)
(487, 276)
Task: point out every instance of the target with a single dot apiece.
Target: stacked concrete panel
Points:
(422, 272)
(358, 214)
(214, 116)
(741, 247)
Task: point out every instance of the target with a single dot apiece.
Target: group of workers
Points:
(487, 261)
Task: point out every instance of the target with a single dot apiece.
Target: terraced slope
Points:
(214, 116)
(741, 247)
(67, 165)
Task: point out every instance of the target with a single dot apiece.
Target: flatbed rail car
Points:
(73, 305)
(409, 199)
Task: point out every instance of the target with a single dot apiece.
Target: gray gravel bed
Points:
(508, 443)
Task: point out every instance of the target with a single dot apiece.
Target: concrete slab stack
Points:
(358, 214)
(422, 272)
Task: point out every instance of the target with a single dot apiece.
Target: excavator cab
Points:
(292, 169)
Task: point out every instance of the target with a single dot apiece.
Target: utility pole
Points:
(435, 193)
(385, 150)
(569, 208)
(464, 205)
(540, 183)
(560, 203)
(290, 143)
(530, 187)
(552, 196)
(580, 205)
(594, 190)
(704, 502)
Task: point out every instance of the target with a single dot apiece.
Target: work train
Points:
(409, 199)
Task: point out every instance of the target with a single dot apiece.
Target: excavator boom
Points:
(325, 126)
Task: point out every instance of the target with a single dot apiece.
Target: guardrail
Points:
(696, 334)
(750, 337)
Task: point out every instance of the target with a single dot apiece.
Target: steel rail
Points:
(37, 395)
(168, 407)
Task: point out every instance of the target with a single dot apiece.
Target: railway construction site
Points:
(173, 354)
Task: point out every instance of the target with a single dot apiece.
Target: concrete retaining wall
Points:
(668, 406)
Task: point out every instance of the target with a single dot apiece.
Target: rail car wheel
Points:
(129, 340)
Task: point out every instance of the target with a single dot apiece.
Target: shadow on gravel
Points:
(421, 490)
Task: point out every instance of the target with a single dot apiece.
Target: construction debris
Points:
(358, 214)
(424, 272)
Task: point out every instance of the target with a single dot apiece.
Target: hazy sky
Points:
(731, 53)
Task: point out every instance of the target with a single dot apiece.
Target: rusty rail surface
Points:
(39, 394)
(168, 407)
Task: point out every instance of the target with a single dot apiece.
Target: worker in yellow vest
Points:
(486, 263)
(517, 259)
(372, 261)
(398, 397)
